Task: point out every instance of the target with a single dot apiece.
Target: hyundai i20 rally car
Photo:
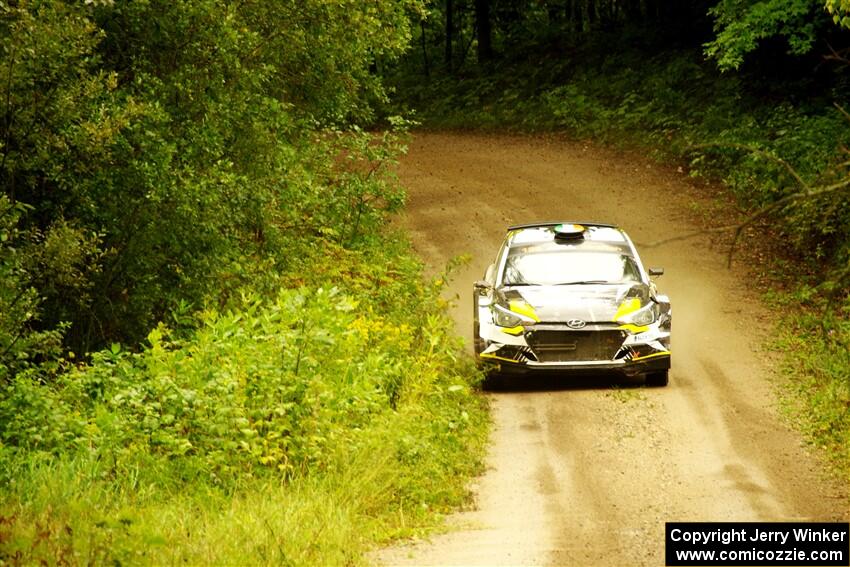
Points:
(574, 298)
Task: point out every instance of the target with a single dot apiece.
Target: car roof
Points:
(597, 237)
(556, 223)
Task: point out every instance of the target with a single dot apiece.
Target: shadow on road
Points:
(555, 381)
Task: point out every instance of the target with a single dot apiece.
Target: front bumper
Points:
(583, 368)
(600, 348)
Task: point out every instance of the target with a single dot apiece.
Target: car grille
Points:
(573, 346)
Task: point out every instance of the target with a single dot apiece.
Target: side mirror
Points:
(481, 289)
(482, 292)
(654, 272)
(490, 274)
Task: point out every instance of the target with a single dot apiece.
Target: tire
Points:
(493, 381)
(477, 342)
(657, 379)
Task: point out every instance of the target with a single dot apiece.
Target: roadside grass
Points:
(297, 428)
(332, 518)
(816, 370)
(677, 108)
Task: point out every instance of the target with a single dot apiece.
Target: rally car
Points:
(571, 297)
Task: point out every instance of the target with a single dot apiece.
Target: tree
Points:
(159, 144)
(840, 10)
(449, 33)
(741, 25)
(482, 24)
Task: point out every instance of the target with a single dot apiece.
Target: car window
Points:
(554, 267)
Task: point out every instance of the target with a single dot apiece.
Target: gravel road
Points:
(587, 474)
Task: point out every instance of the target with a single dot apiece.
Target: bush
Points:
(281, 391)
(23, 348)
(159, 144)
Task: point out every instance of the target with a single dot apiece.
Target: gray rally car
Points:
(571, 297)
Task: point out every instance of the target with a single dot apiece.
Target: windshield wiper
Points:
(586, 282)
(520, 283)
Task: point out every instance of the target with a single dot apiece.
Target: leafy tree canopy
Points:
(741, 25)
(839, 10)
(157, 144)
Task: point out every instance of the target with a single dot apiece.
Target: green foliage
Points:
(316, 386)
(23, 348)
(159, 144)
(189, 193)
(816, 341)
(741, 24)
(839, 10)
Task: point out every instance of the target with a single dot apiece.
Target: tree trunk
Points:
(449, 32)
(572, 15)
(585, 16)
(425, 50)
(482, 23)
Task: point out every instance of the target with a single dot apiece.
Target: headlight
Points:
(641, 317)
(506, 318)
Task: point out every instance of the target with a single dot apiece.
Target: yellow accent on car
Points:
(512, 330)
(522, 307)
(496, 357)
(628, 306)
(653, 355)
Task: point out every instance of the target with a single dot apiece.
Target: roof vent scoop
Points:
(569, 231)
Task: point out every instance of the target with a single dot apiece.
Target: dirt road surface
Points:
(587, 474)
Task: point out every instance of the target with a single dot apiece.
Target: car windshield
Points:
(555, 267)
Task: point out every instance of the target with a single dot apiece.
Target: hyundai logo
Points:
(576, 324)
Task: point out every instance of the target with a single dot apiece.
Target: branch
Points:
(839, 56)
(843, 112)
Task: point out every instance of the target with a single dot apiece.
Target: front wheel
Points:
(477, 342)
(493, 381)
(657, 379)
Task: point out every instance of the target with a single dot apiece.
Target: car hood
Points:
(590, 303)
